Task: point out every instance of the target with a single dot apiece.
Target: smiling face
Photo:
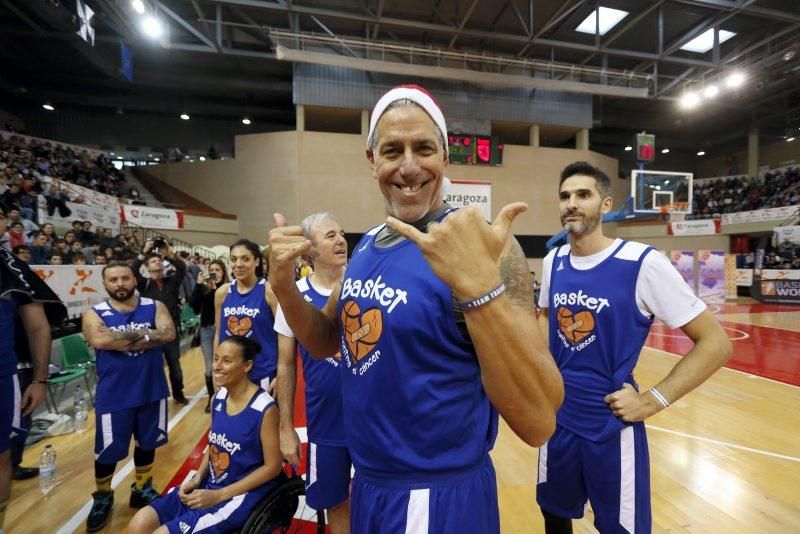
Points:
(230, 367)
(243, 263)
(329, 242)
(409, 162)
(581, 205)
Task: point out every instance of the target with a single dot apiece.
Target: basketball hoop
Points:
(676, 211)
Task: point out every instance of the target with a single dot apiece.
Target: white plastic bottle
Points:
(81, 413)
(47, 470)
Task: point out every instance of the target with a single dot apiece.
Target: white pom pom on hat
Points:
(416, 94)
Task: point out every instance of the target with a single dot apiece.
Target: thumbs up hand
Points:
(463, 250)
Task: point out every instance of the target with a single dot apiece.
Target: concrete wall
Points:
(772, 154)
(208, 231)
(298, 173)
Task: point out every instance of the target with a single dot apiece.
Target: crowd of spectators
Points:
(712, 198)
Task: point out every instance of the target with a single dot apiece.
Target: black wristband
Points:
(45, 382)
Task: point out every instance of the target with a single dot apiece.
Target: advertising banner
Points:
(683, 260)
(704, 227)
(87, 196)
(711, 275)
(84, 212)
(148, 217)
(78, 286)
(465, 193)
(744, 277)
(731, 292)
(769, 214)
(790, 234)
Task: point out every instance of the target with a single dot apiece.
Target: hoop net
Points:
(675, 211)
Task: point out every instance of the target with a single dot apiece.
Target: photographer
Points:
(202, 302)
(156, 257)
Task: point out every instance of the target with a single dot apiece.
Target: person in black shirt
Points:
(166, 288)
(202, 302)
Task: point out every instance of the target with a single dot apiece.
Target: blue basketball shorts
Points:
(466, 502)
(147, 424)
(614, 475)
(10, 398)
(327, 475)
(226, 516)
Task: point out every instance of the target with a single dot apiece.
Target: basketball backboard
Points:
(661, 192)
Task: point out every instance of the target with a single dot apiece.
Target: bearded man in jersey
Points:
(128, 333)
(435, 324)
(599, 296)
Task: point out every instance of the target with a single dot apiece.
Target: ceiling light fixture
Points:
(185, 116)
(48, 107)
(628, 148)
(202, 158)
(711, 91)
(690, 100)
(789, 139)
(665, 151)
(735, 79)
(152, 27)
(246, 121)
(701, 153)
(138, 6)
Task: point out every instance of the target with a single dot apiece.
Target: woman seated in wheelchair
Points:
(244, 459)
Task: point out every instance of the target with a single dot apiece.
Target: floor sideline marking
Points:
(724, 443)
(749, 375)
(77, 520)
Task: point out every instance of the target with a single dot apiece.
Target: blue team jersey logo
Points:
(362, 331)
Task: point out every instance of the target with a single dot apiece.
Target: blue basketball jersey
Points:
(249, 315)
(234, 441)
(8, 357)
(323, 385)
(415, 408)
(596, 334)
(129, 379)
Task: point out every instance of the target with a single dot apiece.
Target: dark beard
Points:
(116, 297)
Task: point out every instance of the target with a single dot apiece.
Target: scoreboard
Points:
(475, 149)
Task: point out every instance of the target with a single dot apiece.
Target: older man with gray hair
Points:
(328, 460)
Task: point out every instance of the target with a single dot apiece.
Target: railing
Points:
(177, 245)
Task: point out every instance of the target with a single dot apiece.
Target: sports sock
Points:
(144, 466)
(103, 473)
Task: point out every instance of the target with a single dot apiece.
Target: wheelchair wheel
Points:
(276, 513)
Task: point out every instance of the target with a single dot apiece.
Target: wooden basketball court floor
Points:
(725, 459)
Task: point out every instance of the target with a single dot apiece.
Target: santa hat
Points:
(416, 94)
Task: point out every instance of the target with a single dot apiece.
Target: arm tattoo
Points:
(516, 275)
(120, 335)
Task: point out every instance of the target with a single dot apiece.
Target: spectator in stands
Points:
(22, 252)
(78, 259)
(91, 250)
(75, 248)
(106, 238)
(55, 259)
(100, 260)
(166, 288)
(202, 302)
(30, 203)
(15, 236)
(109, 254)
(86, 235)
(70, 237)
(28, 226)
(57, 201)
(12, 195)
(40, 249)
(50, 232)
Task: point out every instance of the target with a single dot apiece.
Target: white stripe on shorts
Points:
(209, 520)
(107, 432)
(312, 464)
(418, 511)
(627, 488)
(162, 415)
(542, 464)
(15, 421)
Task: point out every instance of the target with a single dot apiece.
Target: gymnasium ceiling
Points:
(219, 60)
